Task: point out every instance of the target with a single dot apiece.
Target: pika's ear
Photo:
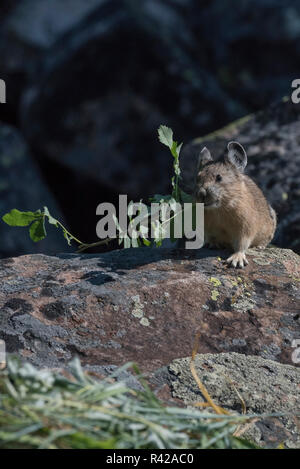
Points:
(203, 158)
(236, 155)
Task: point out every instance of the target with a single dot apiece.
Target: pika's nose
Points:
(201, 194)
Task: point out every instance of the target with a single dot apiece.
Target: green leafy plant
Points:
(165, 135)
(46, 409)
(36, 221)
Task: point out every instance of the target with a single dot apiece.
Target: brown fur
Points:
(241, 217)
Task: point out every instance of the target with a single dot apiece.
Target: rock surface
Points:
(271, 138)
(146, 305)
(266, 387)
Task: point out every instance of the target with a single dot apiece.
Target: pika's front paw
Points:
(238, 259)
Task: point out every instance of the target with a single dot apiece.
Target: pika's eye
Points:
(218, 178)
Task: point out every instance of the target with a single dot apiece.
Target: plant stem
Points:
(70, 234)
(85, 246)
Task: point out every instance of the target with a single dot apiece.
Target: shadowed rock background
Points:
(89, 82)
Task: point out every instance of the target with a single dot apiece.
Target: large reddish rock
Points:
(146, 306)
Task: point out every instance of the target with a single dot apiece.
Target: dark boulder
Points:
(29, 28)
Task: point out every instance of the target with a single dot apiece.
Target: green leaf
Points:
(186, 198)
(68, 237)
(179, 149)
(127, 242)
(81, 441)
(101, 413)
(37, 230)
(177, 168)
(116, 222)
(165, 135)
(36, 220)
(17, 218)
(51, 220)
(135, 242)
(173, 204)
(174, 150)
(158, 198)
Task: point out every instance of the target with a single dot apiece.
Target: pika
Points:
(236, 213)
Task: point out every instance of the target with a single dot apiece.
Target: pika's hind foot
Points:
(238, 259)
